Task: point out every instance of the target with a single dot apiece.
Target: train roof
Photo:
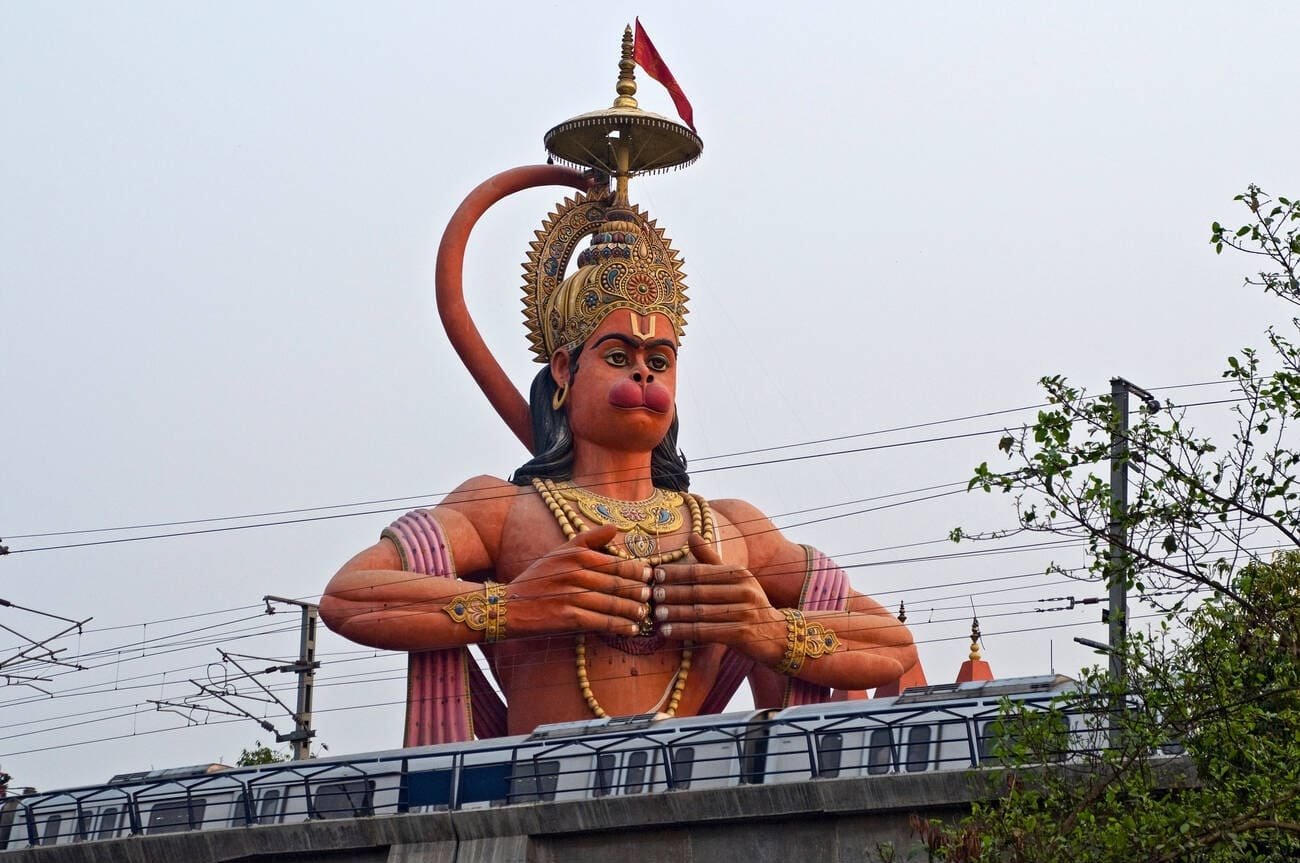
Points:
(1042, 683)
(639, 722)
(168, 773)
(972, 691)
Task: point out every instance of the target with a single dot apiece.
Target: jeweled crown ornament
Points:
(630, 264)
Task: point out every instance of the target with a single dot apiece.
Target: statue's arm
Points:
(373, 600)
(767, 573)
(377, 600)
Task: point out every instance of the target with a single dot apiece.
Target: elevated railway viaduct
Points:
(827, 820)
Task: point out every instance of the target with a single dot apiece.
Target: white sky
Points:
(217, 231)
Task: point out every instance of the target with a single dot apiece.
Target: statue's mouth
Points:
(630, 395)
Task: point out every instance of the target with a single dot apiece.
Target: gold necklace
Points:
(572, 524)
(641, 521)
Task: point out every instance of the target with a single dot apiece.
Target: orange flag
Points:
(645, 55)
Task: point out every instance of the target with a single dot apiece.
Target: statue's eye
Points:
(616, 358)
(658, 363)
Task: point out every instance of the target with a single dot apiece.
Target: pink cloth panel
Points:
(439, 683)
(827, 589)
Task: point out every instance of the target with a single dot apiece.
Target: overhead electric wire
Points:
(433, 495)
(761, 463)
(736, 454)
(921, 605)
(375, 705)
(957, 554)
(114, 653)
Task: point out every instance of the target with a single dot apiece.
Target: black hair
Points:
(553, 441)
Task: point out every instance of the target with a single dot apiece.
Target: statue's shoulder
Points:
(484, 494)
(746, 517)
(767, 552)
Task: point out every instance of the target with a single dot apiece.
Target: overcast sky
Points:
(217, 230)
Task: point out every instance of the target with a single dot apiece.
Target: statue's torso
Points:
(627, 675)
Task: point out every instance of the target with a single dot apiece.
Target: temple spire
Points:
(974, 668)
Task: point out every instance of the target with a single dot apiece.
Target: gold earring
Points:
(558, 397)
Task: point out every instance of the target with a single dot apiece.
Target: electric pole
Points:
(305, 668)
(1117, 530)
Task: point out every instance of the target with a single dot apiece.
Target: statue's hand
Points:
(579, 587)
(713, 601)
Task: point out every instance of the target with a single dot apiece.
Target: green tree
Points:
(260, 754)
(1199, 509)
(1227, 690)
(1212, 543)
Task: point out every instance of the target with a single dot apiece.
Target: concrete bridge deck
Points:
(828, 821)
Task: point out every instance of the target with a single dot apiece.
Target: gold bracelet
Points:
(482, 612)
(804, 640)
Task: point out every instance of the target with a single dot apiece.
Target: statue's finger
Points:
(703, 550)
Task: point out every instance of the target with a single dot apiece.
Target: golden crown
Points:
(630, 264)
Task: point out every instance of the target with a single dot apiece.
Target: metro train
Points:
(930, 728)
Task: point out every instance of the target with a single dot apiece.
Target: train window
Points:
(428, 788)
(50, 834)
(998, 743)
(605, 770)
(108, 823)
(987, 738)
(270, 802)
(482, 783)
(240, 816)
(753, 755)
(534, 780)
(173, 816)
(7, 811)
(1005, 742)
(683, 766)
(636, 771)
(880, 752)
(918, 749)
(1060, 743)
(352, 799)
(84, 819)
(830, 753)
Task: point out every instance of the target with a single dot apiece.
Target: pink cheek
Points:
(625, 394)
(657, 398)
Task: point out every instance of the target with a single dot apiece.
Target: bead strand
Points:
(584, 680)
(572, 524)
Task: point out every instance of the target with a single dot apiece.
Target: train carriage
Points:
(944, 727)
(949, 726)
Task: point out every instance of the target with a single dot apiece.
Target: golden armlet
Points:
(804, 640)
(482, 612)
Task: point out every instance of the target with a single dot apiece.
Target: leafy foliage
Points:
(260, 754)
(1211, 540)
(1198, 510)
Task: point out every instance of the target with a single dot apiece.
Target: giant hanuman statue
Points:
(595, 583)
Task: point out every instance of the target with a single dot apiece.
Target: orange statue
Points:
(593, 581)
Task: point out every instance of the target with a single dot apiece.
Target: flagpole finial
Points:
(626, 87)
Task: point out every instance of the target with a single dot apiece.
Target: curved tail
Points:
(509, 403)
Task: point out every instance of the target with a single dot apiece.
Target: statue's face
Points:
(624, 393)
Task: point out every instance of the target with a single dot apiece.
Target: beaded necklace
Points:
(641, 522)
(557, 499)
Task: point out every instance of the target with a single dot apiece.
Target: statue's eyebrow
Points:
(634, 343)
